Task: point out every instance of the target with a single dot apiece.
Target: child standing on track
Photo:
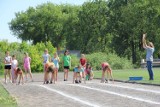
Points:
(26, 65)
(56, 61)
(106, 69)
(66, 64)
(46, 58)
(7, 67)
(19, 73)
(14, 66)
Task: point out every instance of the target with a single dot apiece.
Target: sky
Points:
(8, 8)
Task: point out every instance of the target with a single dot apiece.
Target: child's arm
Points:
(58, 59)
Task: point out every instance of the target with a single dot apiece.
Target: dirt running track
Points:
(93, 93)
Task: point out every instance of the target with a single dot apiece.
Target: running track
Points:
(91, 94)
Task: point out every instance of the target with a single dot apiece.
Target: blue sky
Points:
(8, 8)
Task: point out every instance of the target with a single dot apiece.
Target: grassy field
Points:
(5, 99)
(125, 74)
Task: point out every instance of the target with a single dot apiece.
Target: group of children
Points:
(51, 66)
(15, 72)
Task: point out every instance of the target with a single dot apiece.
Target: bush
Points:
(95, 59)
(18, 49)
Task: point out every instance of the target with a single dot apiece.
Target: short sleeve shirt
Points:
(66, 60)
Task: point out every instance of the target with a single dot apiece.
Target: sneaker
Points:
(50, 82)
(76, 81)
(79, 81)
(47, 82)
(5, 82)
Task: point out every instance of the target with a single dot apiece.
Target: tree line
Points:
(111, 26)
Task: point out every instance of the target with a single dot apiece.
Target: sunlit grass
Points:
(5, 99)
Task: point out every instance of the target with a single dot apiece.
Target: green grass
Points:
(125, 74)
(5, 99)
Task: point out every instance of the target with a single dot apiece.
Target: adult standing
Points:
(66, 64)
(7, 67)
(149, 56)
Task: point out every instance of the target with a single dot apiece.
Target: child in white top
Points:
(13, 67)
(7, 67)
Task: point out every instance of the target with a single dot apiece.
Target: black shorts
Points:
(66, 67)
(7, 67)
(50, 69)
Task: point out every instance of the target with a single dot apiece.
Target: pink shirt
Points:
(27, 61)
(104, 64)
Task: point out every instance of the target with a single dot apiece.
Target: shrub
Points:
(95, 59)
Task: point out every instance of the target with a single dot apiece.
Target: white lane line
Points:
(72, 97)
(137, 89)
(114, 93)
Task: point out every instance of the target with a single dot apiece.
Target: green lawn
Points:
(125, 74)
(5, 99)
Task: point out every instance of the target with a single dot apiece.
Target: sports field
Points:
(125, 74)
(91, 94)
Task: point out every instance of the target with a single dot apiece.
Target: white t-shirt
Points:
(14, 63)
(8, 60)
(45, 58)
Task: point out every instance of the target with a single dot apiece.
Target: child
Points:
(66, 64)
(106, 69)
(7, 67)
(88, 72)
(49, 67)
(78, 71)
(26, 65)
(19, 73)
(46, 58)
(56, 61)
(14, 66)
(83, 61)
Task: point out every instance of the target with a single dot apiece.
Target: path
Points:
(94, 93)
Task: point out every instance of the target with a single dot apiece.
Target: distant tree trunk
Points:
(133, 51)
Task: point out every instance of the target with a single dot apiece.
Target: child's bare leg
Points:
(84, 77)
(22, 78)
(26, 76)
(53, 77)
(67, 74)
(64, 74)
(29, 70)
(56, 74)
(5, 75)
(45, 76)
(103, 74)
(19, 79)
(74, 76)
(108, 76)
(111, 76)
(9, 74)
